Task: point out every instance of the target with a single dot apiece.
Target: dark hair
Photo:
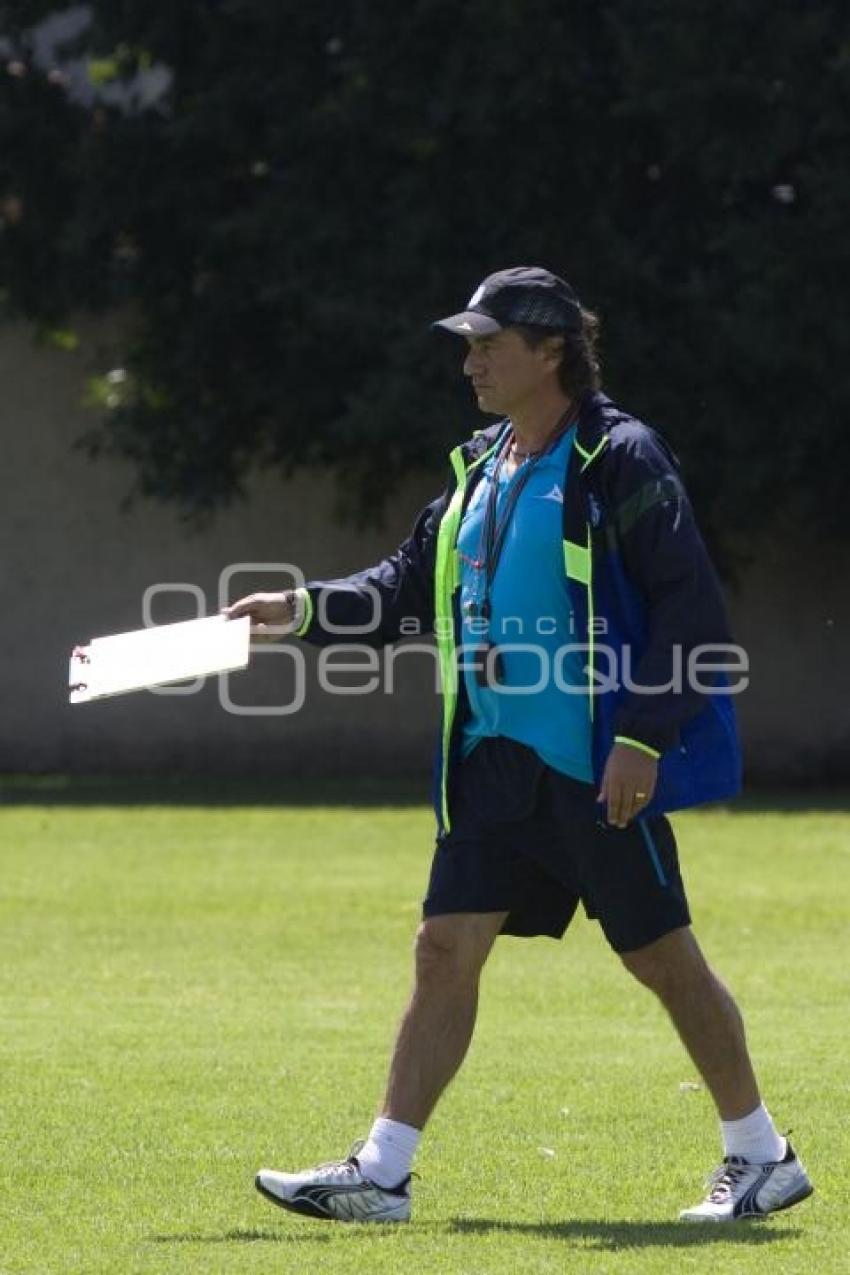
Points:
(580, 368)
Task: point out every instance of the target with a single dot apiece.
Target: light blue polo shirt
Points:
(531, 622)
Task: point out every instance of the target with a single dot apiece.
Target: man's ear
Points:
(553, 348)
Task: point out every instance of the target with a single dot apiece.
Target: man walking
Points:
(565, 526)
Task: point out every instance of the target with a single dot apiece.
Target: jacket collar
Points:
(594, 423)
(596, 416)
(481, 441)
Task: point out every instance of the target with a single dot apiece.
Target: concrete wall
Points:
(791, 612)
(75, 566)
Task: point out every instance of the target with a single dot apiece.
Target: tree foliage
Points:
(318, 181)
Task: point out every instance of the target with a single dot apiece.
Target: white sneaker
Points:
(336, 1191)
(738, 1189)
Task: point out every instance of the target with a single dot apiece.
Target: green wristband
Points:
(635, 743)
(303, 596)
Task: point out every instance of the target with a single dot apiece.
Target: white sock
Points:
(386, 1156)
(753, 1137)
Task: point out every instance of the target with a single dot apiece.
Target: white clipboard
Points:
(158, 656)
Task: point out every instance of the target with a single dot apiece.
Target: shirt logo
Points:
(555, 494)
(595, 511)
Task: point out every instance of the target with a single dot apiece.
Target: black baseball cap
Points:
(522, 294)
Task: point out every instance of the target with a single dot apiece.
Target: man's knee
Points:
(671, 962)
(451, 950)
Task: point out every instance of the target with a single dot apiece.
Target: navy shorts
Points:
(527, 840)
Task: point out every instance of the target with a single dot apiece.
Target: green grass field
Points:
(192, 992)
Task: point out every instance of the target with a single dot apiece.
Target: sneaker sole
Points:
(802, 1194)
(305, 1209)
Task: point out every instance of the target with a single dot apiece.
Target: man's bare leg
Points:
(762, 1173)
(705, 1016)
(438, 1023)
(433, 1037)
(432, 1042)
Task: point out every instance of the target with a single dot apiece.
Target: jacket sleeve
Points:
(372, 606)
(665, 558)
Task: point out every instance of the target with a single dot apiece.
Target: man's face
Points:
(506, 374)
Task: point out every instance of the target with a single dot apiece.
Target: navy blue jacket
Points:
(641, 582)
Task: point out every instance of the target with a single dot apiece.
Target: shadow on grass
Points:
(359, 791)
(603, 1236)
(610, 1236)
(240, 1237)
(315, 1230)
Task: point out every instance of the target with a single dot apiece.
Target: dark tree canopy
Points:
(282, 195)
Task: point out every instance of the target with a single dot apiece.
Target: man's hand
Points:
(272, 614)
(627, 784)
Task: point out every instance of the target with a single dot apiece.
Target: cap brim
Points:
(469, 323)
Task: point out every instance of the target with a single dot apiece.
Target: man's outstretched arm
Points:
(373, 603)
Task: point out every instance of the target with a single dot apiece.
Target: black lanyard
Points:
(494, 531)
